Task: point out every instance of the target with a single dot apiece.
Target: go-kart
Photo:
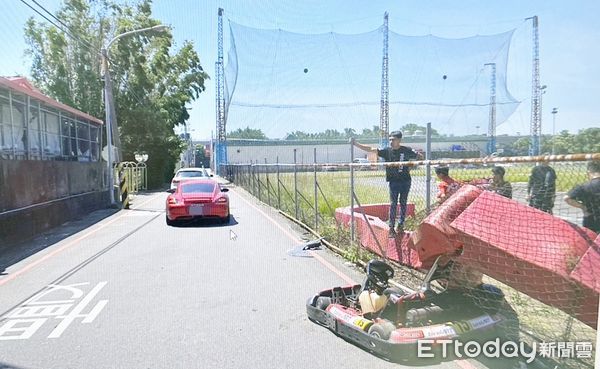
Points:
(389, 322)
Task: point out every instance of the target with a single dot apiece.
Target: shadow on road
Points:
(13, 253)
(10, 366)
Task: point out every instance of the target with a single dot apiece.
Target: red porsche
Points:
(202, 198)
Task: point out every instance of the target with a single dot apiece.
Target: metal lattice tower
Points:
(220, 142)
(384, 116)
(536, 93)
(492, 123)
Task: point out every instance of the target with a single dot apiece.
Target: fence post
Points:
(248, 178)
(428, 169)
(253, 178)
(316, 193)
(258, 180)
(296, 184)
(268, 186)
(351, 190)
(278, 186)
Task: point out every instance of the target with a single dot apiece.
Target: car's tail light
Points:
(172, 201)
(222, 199)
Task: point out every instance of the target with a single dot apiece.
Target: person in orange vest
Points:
(447, 185)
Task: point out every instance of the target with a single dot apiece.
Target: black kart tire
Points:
(382, 330)
(169, 222)
(322, 302)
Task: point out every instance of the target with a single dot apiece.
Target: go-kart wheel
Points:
(382, 330)
(226, 219)
(322, 302)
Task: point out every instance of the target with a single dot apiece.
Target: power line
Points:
(67, 31)
(83, 43)
(63, 24)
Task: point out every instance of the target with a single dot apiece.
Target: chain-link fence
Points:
(511, 219)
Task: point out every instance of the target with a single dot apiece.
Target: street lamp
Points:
(141, 157)
(108, 101)
(554, 111)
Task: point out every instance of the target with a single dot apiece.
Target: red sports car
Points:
(203, 198)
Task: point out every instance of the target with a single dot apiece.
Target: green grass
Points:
(567, 177)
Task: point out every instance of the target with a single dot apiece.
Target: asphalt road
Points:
(127, 291)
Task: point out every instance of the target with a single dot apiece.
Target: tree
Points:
(247, 133)
(349, 132)
(587, 140)
(152, 83)
(411, 128)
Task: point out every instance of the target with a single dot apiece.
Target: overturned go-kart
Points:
(390, 322)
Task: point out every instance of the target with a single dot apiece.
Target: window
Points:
(52, 128)
(198, 188)
(34, 130)
(190, 174)
(83, 141)
(65, 131)
(94, 142)
(19, 133)
(31, 130)
(6, 146)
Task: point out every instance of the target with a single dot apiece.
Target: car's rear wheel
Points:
(322, 302)
(382, 330)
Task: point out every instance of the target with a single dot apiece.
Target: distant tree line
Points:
(329, 134)
(585, 141)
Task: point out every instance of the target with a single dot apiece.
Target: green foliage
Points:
(248, 134)
(585, 141)
(410, 128)
(152, 82)
(333, 134)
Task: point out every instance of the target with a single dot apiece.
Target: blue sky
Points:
(569, 34)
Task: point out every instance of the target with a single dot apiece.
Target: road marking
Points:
(24, 321)
(319, 258)
(33, 264)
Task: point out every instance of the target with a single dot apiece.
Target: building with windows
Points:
(36, 127)
(50, 165)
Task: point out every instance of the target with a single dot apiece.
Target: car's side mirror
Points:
(224, 189)
(171, 190)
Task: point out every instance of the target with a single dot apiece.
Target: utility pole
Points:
(492, 123)
(384, 115)
(108, 122)
(536, 118)
(554, 111)
(109, 106)
(221, 144)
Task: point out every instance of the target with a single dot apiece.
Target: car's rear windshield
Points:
(198, 188)
(191, 174)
